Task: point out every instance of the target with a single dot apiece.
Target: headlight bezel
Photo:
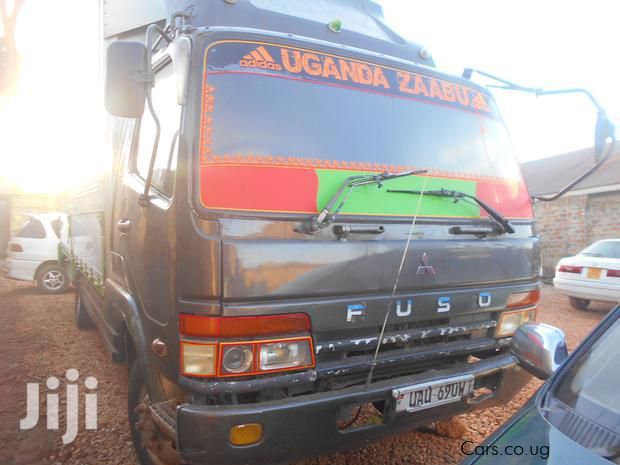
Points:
(254, 368)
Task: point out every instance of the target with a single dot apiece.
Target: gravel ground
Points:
(40, 340)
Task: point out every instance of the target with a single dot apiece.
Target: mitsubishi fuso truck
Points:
(308, 237)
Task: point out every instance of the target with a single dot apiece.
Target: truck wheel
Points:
(52, 279)
(149, 443)
(579, 304)
(82, 318)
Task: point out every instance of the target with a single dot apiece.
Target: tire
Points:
(52, 279)
(136, 396)
(82, 318)
(579, 304)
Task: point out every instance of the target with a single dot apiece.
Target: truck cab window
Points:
(169, 114)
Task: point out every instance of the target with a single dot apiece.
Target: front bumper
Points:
(589, 290)
(306, 426)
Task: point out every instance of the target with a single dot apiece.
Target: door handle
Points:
(124, 226)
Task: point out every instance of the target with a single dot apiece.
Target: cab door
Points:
(144, 233)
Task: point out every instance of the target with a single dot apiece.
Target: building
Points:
(588, 213)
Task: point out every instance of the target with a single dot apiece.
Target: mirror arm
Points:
(149, 80)
(145, 199)
(574, 90)
(579, 179)
(508, 85)
(602, 115)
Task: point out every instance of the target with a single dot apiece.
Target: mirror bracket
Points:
(144, 200)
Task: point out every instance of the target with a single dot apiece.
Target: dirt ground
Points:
(39, 340)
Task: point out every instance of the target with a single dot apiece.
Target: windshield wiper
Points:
(339, 198)
(502, 222)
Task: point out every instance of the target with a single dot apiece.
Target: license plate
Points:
(594, 273)
(432, 394)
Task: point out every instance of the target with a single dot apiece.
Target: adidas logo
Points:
(260, 58)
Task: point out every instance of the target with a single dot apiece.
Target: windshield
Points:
(607, 249)
(302, 121)
(590, 386)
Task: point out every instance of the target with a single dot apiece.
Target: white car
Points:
(32, 253)
(592, 274)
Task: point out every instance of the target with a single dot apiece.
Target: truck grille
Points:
(404, 350)
(415, 336)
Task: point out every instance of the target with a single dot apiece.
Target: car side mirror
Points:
(539, 348)
(605, 130)
(127, 79)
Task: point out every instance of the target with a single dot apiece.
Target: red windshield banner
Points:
(313, 66)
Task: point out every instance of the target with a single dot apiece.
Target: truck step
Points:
(165, 416)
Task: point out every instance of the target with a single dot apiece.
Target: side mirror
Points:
(540, 348)
(126, 79)
(605, 130)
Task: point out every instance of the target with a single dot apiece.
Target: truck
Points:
(309, 237)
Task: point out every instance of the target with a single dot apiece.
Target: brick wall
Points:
(569, 224)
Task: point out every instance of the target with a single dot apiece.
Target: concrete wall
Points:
(568, 225)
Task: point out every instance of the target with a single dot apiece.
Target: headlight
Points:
(510, 321)
(198, 359)
(237, 359)
(285, 354)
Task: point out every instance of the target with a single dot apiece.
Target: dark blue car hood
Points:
(527, 429)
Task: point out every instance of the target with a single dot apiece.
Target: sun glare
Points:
(52, 138)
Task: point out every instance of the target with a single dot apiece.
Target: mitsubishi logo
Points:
(425, 268)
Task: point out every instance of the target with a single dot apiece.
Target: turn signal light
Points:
(245, 435)
(247, 326)
(570, 269)
(510, 321)
(521, 299)
(198, 359)
(613, 273)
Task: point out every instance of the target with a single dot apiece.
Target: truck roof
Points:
(363, 23)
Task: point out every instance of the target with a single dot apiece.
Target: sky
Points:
(51, 135)
(51, 131)
(536, 43)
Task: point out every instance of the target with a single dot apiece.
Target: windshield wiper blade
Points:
(337, 201)
(502, 222)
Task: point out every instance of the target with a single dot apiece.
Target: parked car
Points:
(592, 274)
(32, 253)
(574, 418)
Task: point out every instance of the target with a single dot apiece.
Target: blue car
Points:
(574, 418)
